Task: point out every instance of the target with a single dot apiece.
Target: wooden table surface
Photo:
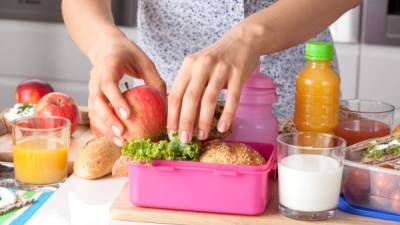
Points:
(121, 209)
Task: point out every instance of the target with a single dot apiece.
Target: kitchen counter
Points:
(85, 202)
(81, 202)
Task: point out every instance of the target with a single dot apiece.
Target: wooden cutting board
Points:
(121, 209)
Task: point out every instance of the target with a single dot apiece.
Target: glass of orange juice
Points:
(40, 151)
(360, 120)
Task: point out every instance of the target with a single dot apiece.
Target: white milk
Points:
(309, 183)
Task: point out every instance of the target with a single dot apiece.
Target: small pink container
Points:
(205, 187)
(254, 119)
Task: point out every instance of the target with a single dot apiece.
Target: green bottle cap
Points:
(319, 50)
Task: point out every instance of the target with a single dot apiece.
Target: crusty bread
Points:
(120, 168)
(97, 158)
(217, 151)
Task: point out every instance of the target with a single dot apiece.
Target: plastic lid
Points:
(258, 89)
(345, 206)
(319, 50)
(259, 80)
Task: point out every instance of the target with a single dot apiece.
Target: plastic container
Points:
(205, 187)
(255, 121)
(371, 187)
(345, 206)
(317, 91)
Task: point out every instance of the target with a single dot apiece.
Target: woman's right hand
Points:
(113, 56)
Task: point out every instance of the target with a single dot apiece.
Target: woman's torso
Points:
(169, 30)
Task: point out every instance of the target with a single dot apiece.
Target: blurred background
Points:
(35, 44)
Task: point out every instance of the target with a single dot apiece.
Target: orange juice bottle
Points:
(317, 91)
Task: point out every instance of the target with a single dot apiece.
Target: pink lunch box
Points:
(206, 187)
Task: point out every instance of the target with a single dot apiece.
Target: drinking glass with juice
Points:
(40, 151)
(317, 91)
(364, 119)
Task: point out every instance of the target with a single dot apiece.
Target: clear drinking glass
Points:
(360, 120)
(310, 169)
(40, 151)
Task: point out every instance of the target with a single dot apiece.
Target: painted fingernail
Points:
(116, 130)
(201, 135)
(222, 127)
(183, 137)
(117, 141)
(122, 113)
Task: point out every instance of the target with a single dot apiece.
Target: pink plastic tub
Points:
(203, 187)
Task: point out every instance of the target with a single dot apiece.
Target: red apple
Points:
(383, 184)
(31, 91)
(59, 104)
(396, 200)
(148, 117)
(356, 184)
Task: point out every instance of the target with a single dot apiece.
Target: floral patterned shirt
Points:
(169, 30)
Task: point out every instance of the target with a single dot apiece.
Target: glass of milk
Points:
(310, 169)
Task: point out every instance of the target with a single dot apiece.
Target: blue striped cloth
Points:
(22, 215)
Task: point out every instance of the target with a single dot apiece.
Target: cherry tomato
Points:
(382, 184)
(356, 185)
(395, 196)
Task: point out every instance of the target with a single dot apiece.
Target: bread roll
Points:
(218, 151)
(97, 158)
(120, 168)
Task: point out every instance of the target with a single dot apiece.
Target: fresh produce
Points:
(96, 159)
(31, 91)
(59, 104)
(396, 200)
(375, 188)
(145, 150)
(397, 129)
(383, 153)
(383, 184)
(356, 184)
(148, 116)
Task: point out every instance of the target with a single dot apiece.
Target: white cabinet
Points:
(348, 55)
(44, 51)
(380, 73)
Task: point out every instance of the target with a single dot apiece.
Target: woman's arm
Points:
(291, 22)
(88, 20)
(112, 55)
(229, 61)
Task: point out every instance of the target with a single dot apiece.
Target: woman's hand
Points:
(193, 97)
(112, 57)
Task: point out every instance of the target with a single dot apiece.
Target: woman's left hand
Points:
(193, 97)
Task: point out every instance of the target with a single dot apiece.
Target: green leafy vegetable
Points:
(145, 150)
(24, 107)
(380, 150)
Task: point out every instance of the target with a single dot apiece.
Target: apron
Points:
(169, 30)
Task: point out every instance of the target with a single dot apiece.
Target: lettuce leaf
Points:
(144, 150)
